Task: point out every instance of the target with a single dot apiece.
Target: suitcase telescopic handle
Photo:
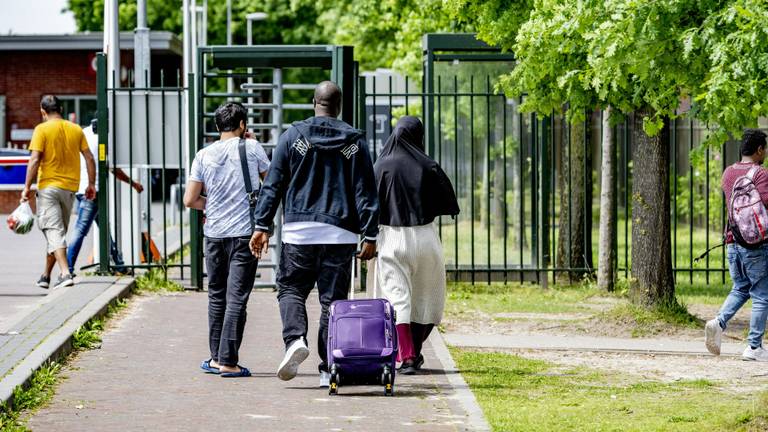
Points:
(351, 295)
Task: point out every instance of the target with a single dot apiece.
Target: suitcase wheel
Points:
(333, 388)
(388, 380)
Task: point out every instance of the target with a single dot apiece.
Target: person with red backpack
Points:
(745, 185)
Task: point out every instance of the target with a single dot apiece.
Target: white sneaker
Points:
(325, 379)
(713, 336)
(294, 355)
(757, 354)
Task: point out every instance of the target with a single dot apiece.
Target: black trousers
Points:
(231, 273)
(301, 267)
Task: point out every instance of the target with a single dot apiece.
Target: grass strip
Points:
(519, 394)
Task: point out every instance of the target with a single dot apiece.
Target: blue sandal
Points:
(244, 373)
(206, 366)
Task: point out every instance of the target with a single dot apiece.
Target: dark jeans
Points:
(301, 267)
(87, 213)
(231, 272)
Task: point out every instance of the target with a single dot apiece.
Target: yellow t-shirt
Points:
(60, 142)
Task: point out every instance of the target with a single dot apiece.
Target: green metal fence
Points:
(527, 185)
(522, 179)
(140, 132)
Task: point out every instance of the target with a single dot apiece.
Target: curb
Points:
(537, 342)
(59, 343)
(600, 350)
(475, 419)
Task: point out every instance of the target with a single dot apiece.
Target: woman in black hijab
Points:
(410, 268)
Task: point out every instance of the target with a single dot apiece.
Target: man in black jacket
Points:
(322, 172)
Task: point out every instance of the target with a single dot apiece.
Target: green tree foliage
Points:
(732, 46)
(385, 33)
(287, 22)
(161, 14)
(496, 21)
(621, 53)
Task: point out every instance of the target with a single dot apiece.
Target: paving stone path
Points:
(146, 376)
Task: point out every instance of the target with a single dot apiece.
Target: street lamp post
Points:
(255, 16)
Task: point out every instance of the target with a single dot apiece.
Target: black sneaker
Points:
(419, 362)
(64, 281)
(43, 282)
(408, 367)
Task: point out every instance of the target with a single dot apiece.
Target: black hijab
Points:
(413, 189)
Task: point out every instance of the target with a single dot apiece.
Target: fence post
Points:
(544, 190)
(195, 216)
(428, 86)
(342, 73)
(101, 160)
(588, 262)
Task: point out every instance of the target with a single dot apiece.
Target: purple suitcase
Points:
(362, 344)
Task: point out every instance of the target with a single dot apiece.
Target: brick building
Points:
(63, 65)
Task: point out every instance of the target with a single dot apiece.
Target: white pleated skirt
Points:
(410, 272)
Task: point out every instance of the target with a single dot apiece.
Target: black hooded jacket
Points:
(322, 172)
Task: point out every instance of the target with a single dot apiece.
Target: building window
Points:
(79, 109)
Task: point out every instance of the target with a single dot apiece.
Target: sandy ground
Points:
(731, 374)
(586, 324)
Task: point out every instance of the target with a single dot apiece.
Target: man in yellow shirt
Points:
(55, 163)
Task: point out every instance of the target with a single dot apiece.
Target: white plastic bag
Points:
(22, 219)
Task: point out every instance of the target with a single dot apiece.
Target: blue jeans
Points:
(749, 272)
(87, 213)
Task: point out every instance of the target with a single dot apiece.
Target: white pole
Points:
(187, 60)
(194, 35)
(230, 81)
(105, 32)
(205, 22)
(141, 49)
(229, 22)
(249, 41)
(113, 50)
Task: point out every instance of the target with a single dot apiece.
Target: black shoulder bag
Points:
(253, 196)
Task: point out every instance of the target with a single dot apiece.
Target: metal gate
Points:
(498, 159)
(275, 84)
(140, 133)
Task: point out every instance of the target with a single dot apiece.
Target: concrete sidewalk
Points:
(587, 343)
(22, 258)
(146, 376)
(45, 332)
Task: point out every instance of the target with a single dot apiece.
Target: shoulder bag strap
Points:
(751, 173)
(247, 177)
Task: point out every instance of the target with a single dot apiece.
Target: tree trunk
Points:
(606, 268)
(570, 242)
(653, 281)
